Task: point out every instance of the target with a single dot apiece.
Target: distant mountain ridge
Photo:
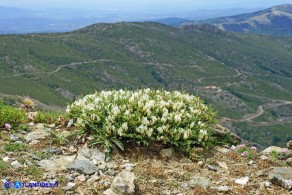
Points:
(276, 20)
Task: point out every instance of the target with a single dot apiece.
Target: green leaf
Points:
(118, 143)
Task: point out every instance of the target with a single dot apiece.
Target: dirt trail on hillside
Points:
(238, 74)
(260, 110)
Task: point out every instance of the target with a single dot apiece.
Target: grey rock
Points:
(95, 155)
(212, 168)
(222, 150)
(98, 156)
(166, 153)
(69, 186)
(69, 177)
(221, 131)
(34, 157)
(281, 176)
(289, 145)
(272, 148)
(18, 142)
(289, 161)
(14, 138)
(27, 162)
(223, 189)
(286, 154)
(56, 163)
(196, 182)
(54, 150)
(111, 172)
(39, 132)
(15, 164)
(83, 166)
(123, 183)
(86, 152)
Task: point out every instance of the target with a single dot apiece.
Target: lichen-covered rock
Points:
(123, 183)
(281, 176)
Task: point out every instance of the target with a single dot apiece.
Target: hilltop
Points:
(245, 77)
(276, 20)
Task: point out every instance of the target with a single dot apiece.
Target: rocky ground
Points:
(61, 159)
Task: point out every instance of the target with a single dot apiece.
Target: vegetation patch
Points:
(11, 115)
(14, 147)
(144, 116)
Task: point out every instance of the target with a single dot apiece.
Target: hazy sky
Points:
(142, 4)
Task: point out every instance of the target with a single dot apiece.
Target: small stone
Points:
(109, 192)
(31, 124)
(5, 159)
(93, 178)
(166, 153)
(111, 172)
(223, 189)
(198, 182)
(81, 178)
(18, 142)
(251, 162)
(69, 186)
(222, 150)
(223, 165)
(242, 181)
(83, 166)
(14, 138)
(34, 157)
(128, 166)
(52, 125)
(212, 168)
(34, 142)
(70, 123)
(72, 149)
(123, 183)
(69, 177)
(102, 167)
(54, 150)
(201, 163)
(27, 162)
(267, 184)
(289, 145)
(15, 164)
(289, 161)
(263, 157)
(153, 181)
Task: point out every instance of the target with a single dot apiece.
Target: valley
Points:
(246, 78)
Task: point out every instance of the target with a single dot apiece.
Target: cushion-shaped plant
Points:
(144, 115)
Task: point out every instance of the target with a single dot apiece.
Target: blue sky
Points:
(142, 4)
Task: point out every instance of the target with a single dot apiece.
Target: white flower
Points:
(177, 118)
(203, 135)
(125, 126)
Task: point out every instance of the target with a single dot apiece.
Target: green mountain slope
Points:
(276, 20)
(237, 73)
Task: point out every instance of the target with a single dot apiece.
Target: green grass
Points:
(11, 147)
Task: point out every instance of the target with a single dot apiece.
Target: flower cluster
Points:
(245, 151)
(146, 115)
